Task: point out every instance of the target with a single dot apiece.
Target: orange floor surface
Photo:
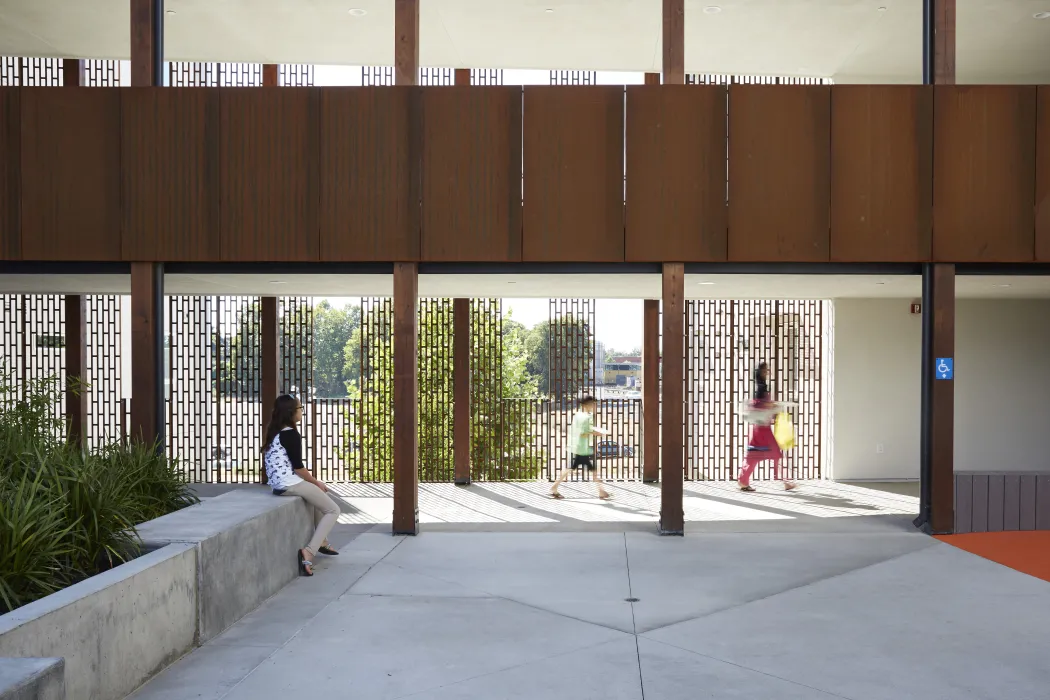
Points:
(1028, 552)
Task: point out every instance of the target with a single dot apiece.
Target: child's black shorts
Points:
(582, 461)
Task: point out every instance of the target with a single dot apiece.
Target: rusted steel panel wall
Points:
(882, 160)
(779, 173)
(984, 173)
(676, 179)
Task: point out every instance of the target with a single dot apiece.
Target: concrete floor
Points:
(858, 607)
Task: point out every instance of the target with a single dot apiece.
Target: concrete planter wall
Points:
(206, 567)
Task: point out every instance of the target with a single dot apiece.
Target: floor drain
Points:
(631, 600)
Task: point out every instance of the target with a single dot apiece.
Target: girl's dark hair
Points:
(283, 416)
(761, 388)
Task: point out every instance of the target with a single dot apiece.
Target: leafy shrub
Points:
(66, 514)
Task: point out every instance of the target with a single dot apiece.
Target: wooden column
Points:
(462, 76)
(72, 72)
(271, 363)
(406, 42)
(147, 43)
(76, 369)
(461, 388)
(147, 353)
(939, 407)
(271, 75)
(406, 399)
(672, 451)
(651, 391)
(944, 43)
(652, 78)
(674, 42)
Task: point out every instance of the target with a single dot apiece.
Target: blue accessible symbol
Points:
(943, 366)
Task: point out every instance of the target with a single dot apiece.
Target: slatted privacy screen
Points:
(479, 76)
(488, 429)
(436, 76)
(571, 376)
(435, 369)
(295, 75)
(30, 72)
(375, 447)
(725, 342)
(377, 75)
(105, 361)
(574, 77)
(186, 74)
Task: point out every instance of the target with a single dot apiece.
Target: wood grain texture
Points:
(676, 184)
(1011, 502)
(406, 42)
(370, 174)
(70, 155)
(1042, 176)
(170, 174)
(944, 42)
(996, 502)
(673, 44)
(461, 389)
(406, 399)
(779, 172)
(72, 72)
(942, 428)
(984, 173)
(472, 174)
(979, 509)
(147, 393)
(1029, 485)
(672, 462)
(882, 160)
(271, 75)
(573, 143)
(10, 174)
(269, 174)
(651, 391)
(142, 38)
(963, 503)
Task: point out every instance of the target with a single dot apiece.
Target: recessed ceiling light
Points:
(357, 12)
(712, 10)
(705, 284)
(1003, 286)
(880, 283)
(1041, 15)
(882, 9)
(170, 12)
(276, 281)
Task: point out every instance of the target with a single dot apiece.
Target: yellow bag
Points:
(784, 431)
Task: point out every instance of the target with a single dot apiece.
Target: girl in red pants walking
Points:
(763, 445)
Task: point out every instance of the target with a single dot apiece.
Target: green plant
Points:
(66, 514)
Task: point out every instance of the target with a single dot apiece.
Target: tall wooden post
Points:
(406, 399)
(461, 388)
(652, 78)
(76, 369)
(672, 475)
(461, 76)
(72, 72)
(270, 361)
(147, 43)
(406, 42)
(147, 353)
(674, 42)
(651, 391)
(271, 75)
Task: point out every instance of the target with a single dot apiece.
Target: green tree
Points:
(333, 329)
(573, 355)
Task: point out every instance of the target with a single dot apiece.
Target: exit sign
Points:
(916, 308)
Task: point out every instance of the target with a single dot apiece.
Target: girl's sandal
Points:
(306, 567)
(790, 486)
(325, 549)
(747, 488)
(557, 496)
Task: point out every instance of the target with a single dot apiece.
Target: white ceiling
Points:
(998, 41)
(601, 286)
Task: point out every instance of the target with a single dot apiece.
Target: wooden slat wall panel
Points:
(70, 154)
(269, 174)
(963, 503)
(676, 184)
(996, 495)
(984, 173)
(779, 172)
(10, 175)
(170, 174)
(882, 160)
(1012, 502)
(1042, 177)
(979, 509)
(573, 143)
(1028, 493)
(1042, 502)
(472, 174)
(370, 172)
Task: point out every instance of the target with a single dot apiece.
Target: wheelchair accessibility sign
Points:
(943, 366)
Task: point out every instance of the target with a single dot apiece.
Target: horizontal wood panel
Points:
(10, 175)
(170, 174)
(70, 154)
(472, 174)
(882, 160)
(984, 173)
(779, 172)
(1042, 176)
(370, 174)
(573, 152)
(676, 180)
(269, 174)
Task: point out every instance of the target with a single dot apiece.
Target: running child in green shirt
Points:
(581, 431)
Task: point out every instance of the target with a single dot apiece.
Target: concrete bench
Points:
(204, 568)
(32, 679)
(246, 542)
